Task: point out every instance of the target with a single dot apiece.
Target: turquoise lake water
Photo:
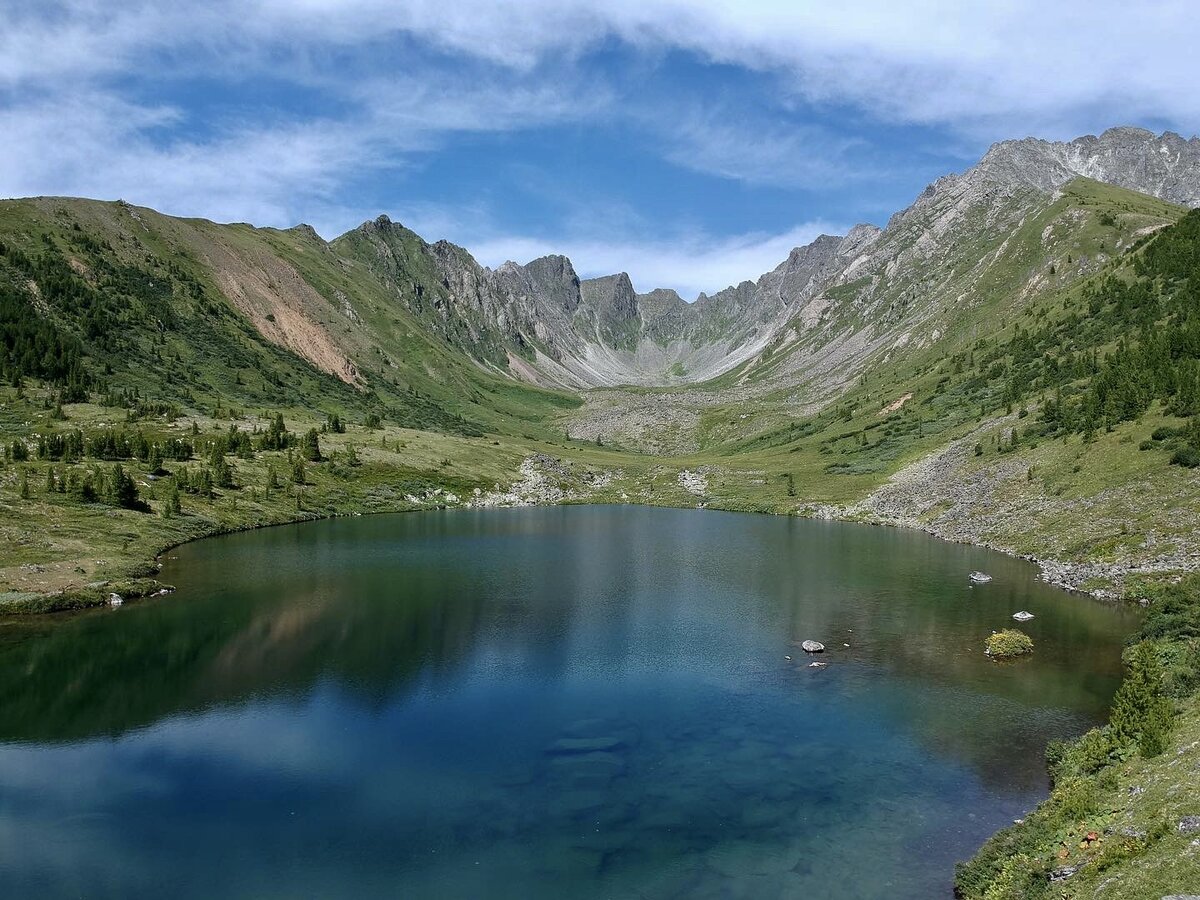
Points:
(569, 702)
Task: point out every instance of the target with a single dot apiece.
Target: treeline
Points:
(65, 451)
(120, 444)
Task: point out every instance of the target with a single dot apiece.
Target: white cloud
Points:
(399, 78)
(98, 146)
(719, 141)
(1019, 61)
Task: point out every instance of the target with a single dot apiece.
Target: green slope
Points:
(1057, 413)
(210, 316)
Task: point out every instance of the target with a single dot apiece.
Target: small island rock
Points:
(812, 647)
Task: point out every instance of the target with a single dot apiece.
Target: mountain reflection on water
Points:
(524, 702)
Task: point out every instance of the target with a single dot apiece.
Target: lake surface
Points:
(565, 702)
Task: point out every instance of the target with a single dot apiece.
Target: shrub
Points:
(1008, 643)
(1074, 759)
(1188, 457)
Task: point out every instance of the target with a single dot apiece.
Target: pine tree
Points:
(172, 507)
(122, 490)
(310, 446)
(222, 474)
(23, 485)
(1141, 710)
(155, 460)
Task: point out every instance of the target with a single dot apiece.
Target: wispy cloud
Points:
(757, 150)
(94, 100)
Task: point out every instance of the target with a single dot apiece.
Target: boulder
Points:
(115, 600)
(1065, 872)
(812, 647)
(1023, 616)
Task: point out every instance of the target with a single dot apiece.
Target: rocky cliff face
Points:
(839, 299)
(1165, 166)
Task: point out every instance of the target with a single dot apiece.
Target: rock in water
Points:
(1023, 616)
(812, 647)
(980, 577)
(115, 600)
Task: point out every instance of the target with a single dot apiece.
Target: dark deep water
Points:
(565, 702)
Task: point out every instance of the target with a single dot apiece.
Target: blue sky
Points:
(691, 144)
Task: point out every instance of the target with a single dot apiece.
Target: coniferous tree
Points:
(1141, 710)
(310, 446)
(222, 474)
(122, 489)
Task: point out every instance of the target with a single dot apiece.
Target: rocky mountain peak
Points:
(1164, 165)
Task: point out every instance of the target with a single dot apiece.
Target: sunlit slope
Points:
(188, 311)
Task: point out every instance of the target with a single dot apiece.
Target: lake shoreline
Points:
(1092, 578)
(1069, 576)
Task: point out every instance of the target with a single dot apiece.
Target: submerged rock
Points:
(980, 577)
(586, 744)
(812, 647)
(739, 859)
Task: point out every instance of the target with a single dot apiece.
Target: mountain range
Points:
(542, 323)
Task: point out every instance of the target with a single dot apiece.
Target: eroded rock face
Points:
(828, 308)
(1165, 166)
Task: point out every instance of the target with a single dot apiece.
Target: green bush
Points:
(1008, 643)
(1188, 457)
(1085, 756)
(1141, 710)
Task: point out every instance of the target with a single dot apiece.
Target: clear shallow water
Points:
(579, 701)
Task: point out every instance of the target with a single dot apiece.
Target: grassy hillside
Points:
(165, 379)
(105, 297)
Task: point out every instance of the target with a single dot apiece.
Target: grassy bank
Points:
(1120, 821)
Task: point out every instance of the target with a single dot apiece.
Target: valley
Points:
(1012, 362)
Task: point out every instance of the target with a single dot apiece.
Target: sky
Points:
(691, 144)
